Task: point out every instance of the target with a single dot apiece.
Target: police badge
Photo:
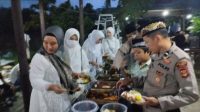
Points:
(183, 69)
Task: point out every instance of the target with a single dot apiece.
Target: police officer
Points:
(171, 81)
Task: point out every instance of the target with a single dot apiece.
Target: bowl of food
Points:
(113, 107)
(85, 106)
(83, 79)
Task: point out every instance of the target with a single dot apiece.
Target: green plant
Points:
(196, 25)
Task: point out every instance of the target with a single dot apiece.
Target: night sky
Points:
(27, 3)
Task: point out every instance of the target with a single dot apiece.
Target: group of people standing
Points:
(160, 70)
(53, 67)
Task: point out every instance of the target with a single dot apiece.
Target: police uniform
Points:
(171, 79)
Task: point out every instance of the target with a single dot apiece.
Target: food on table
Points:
(104, 84)
(114, 77)
(108, 95)
(83, 79)
(112, 98)
(109, 110)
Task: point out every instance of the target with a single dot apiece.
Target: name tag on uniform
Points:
(163, 66)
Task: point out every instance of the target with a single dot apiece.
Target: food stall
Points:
(103, 92)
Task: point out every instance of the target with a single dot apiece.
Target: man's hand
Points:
(122, 83)
(56, 88)
(151, 101)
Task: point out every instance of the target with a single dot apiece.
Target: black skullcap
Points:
(129, 28)
(136, 41)
(139, 43)
(140, 24)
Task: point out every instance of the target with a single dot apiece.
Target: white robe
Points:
(94, 51)
(75, 59)
(73, 56)
(111, 44)
(42, 74)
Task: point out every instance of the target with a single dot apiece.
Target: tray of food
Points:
(102, 96)
(114, 77)
(104, 84)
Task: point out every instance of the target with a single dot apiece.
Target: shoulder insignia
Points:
(183, 69)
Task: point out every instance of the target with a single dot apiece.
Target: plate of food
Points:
(102, 96)
(83, 79)
(133, 96)
(109, 78)
(104, 84)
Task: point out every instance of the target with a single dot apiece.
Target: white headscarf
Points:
(93, 50)
(71, 43)
(90, 43)
(72, 52)
(111, 44)
(111, 30)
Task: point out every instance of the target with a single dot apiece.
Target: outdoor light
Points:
(165, 13)
(189, 16)
(127, 18)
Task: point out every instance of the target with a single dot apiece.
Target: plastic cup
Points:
(85, 106)
(117, 107)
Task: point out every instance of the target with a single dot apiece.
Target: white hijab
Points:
(111, 44)
(90, 45)
(111, 30)
(72, 52)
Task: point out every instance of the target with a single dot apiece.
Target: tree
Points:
(23, 63)
(42, 22)
(107, 4)
(90, 15)
(196, 25)
(64, 15)
(134, 9)
(7, 39)
(81, 21)
(43, 6)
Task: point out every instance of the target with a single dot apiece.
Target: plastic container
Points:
(117, 107)
(85, 106)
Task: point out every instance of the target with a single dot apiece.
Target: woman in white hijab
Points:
(110, 44)
(93, 49)
(75, 57)
(72, 55)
